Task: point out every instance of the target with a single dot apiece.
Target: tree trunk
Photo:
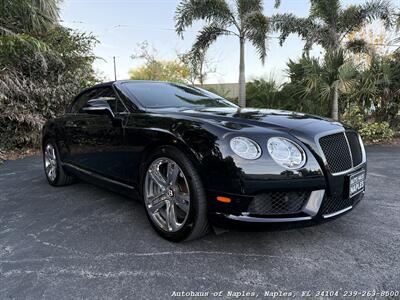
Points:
(335, 103)
(335, 50)
(242, 79)
(201, 78)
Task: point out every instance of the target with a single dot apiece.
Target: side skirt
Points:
(101, 181)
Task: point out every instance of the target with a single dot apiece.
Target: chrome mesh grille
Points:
(342, 150)
(276, 203)
(336, 152)
(332, 204)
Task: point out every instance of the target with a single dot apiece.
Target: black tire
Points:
(196, 224)
(61, 178)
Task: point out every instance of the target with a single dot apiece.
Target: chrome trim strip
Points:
(314, 202)
(364, 153)
(264, 220)
(348, 146)
(321, 152)
(349, 170)
(95, 175)
(337, 212)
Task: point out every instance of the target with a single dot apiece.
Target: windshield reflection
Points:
(165, 95)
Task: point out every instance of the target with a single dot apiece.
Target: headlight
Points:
(245, 148)
(286, 153)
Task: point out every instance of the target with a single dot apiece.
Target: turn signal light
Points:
(224, 199)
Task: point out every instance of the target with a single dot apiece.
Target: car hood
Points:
(269, 118)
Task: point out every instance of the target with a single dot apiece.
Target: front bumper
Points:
(294, 206)
(318, 192)
(306, 216)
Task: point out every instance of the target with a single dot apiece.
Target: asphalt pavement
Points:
(82, 241)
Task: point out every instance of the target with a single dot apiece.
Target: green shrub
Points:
(353, 117)
(262, 93)
(377, 132)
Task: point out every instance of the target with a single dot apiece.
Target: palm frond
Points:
(332, 62)
(327, 11)
(256, 27)
(358, 46)
(33, 15)
(206, 37)
(288, 23)
(188, 11)
(379, 9)
(12, 45)
(347, 77)
(247, 7)
(355, 16)
(325, 90)
(397, 18)
(350, 19)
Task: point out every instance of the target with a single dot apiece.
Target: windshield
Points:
(164, 94)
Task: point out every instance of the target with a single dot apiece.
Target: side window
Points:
(80, 102)
(105, 93)
(109, 95)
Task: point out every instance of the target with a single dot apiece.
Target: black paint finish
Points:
(114, 148)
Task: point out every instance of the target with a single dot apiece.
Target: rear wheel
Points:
(52, 167)
(174, 197)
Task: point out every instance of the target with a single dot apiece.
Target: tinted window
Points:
(160, 94)
(105, 93)
(109, 95)
(81, 101)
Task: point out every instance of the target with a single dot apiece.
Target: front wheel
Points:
(174, 196)
(52, 167)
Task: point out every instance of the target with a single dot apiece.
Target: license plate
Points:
(357, 183)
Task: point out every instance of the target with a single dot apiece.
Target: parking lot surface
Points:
(81, 241)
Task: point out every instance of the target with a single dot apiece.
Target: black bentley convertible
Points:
(192, 156)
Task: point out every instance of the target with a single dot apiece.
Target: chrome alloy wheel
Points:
(50, 162)
(167, 194)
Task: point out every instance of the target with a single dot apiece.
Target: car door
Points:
(96, 140)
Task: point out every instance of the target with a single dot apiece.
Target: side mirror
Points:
(98, 107)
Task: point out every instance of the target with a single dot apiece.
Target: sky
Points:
(120, 25)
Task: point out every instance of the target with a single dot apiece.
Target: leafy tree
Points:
(172, 71)
(28, 16)
(198, 64)
(328, 24)
(380, 86)
(33, 15)
(156, 69)
(245, 20)
(42, 66)
(22, 21)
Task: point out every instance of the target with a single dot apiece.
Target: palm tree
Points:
(27, 16)
(315, 80)
(328, 25)
(397, 39)
(380, 85)
(245, 20)
(23, 22)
